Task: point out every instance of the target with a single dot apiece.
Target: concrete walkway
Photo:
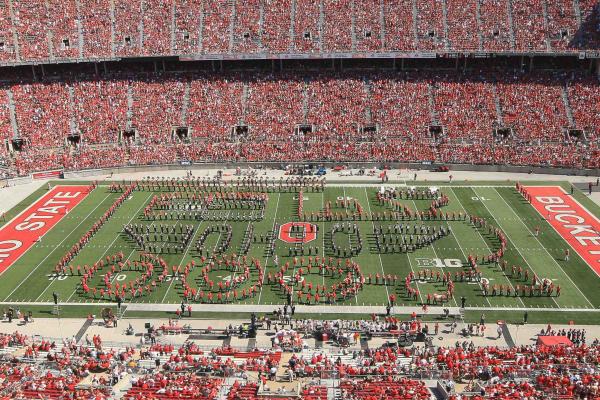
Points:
(248, 308)
(57, 328)
(302, 309)
(14, 194)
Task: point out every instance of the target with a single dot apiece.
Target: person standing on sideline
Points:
(567, 252)
(525, 317)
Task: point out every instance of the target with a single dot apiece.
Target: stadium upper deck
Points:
(34, 31)
(539, 118)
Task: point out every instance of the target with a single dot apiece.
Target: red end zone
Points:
(575, 224)
(20, 234)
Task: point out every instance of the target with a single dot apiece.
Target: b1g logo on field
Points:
(438, 262)
(298, 232)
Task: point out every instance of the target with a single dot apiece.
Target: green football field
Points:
(32, 278)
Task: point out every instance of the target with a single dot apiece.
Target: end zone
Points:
(576, 225)
(20, 234)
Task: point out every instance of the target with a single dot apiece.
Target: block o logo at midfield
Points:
(298, 232)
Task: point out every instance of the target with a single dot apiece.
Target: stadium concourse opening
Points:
(182, 134)
(299, 199)
(503, 134)
(15, 144)
(574, 134)
(73, 139)
(129, 135)
(240, 132)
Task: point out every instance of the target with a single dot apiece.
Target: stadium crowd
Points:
(483, 118)
(46, 368)
(58, 30)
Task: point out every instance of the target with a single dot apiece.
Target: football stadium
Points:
(290, 199)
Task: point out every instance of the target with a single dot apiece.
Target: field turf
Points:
(31, 279)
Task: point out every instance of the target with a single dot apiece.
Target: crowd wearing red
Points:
(335, 105)
(65, 29)
(53, 370)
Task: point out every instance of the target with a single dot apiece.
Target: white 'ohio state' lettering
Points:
(6, 246)
(52, 207)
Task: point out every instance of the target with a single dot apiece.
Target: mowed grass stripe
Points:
(53, 247)
(369, 263)
(425, 258)
(540, 262)
(103, 243)
(280, 210)
(576, 268)
(259, 251)
(375, 261)
(470, 238)
(471, 203)
(445, 247)
(400, 264)
(323, 242)
(129, 250)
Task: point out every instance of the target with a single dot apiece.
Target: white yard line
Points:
(239, 257)
(415, 274)
(267, 257)
(57, 246)
(349, 244)
(378, 254)
(436, 255)
(187, 249)
(546, 250)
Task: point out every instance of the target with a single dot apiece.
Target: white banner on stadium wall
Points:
(54, 174)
